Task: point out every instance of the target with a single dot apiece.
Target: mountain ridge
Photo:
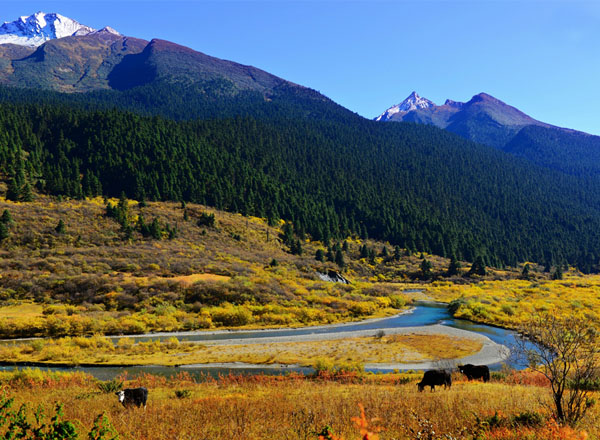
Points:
(490, 121)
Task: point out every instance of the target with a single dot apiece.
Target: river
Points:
(423, 314)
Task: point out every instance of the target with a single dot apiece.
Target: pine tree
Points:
(13, 192)
(320, 255)
(525, 273)
(330, 255)
(6, 218)
(454, 267)
(60, 227)
(478, 267)
(364, 251)
(339, 259)
(426, 267)
(155, 229)
(26, 193)
(558, 273)
(3, 231)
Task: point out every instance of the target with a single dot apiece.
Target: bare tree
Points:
(566, 352)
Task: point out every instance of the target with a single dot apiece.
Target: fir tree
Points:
(60, 227)
(320, 255)
(3, 231)
(478, 267)
(6, 218)
(426, 267)
(155, 229)
(454, 267)
(339, 258)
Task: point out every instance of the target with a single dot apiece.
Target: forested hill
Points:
(416, 186)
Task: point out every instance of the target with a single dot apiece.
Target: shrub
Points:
(183, 394)
(528, 418)
(110, 386)
(205, 219)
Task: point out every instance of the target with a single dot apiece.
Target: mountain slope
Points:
(156, 77)
(272, 148)
(489, 121)
(572, 152)
(483, 118)
(416, 186)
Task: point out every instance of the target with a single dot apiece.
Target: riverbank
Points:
(374, 349)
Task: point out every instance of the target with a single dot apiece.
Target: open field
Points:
(296, 407)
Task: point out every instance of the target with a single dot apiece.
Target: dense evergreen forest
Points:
(417, 186)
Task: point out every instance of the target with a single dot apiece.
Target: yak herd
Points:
(433, 378)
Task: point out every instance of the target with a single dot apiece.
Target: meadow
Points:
(300, 407)
(509, 303)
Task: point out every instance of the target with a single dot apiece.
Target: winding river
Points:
(423, 314)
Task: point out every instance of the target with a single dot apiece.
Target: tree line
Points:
(416, 186)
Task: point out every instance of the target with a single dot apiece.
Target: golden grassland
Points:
(350, 351)
(298, 407)
(509, 303)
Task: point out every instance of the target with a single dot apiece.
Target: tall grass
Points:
(299, 407)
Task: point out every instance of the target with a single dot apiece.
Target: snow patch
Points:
(413, 102)
(34, 30)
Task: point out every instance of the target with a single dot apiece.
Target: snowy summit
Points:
(36, 29)
(413, 102)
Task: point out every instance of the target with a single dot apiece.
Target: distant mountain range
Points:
(89, 112)
(489, 121)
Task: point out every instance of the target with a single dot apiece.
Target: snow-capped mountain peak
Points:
(36, 29)
(413, 102)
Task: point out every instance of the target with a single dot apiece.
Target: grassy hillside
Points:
(91, 278)
(92, 275)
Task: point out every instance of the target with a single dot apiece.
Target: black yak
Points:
(432, 378)
(475, 371)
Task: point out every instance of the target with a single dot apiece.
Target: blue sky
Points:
(542, 57)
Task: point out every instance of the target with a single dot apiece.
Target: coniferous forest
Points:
(328, 171)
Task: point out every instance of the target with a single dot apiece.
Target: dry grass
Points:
(388, 349)
(21, 311)
(191, 279)
(298, 408)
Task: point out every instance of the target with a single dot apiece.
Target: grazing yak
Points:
(133, 396)
(432, 378)
(475, 371)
